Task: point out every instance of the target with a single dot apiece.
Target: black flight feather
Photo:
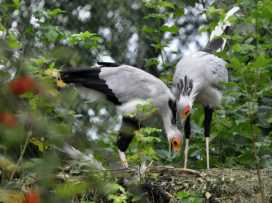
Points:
(173, 106)
(89, 78)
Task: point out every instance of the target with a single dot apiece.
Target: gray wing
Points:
(202, 67)
(127, 83)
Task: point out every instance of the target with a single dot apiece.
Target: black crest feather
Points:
(185, 87)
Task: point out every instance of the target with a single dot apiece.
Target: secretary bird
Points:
(196, 81)
(127, 86)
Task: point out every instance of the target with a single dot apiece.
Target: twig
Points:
(153, 197)
(27, 139)
(3, 171)
(188, 171)
(121, 169)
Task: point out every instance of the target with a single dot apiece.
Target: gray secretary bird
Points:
(196, 81)
(122, 85)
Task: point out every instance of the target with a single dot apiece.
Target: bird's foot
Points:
(123, 159)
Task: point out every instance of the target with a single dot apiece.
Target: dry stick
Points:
(27, 139)
(3, 172)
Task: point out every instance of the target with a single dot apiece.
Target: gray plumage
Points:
(205, 70)
(126, 87)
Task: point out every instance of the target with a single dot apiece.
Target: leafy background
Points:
(41, 37)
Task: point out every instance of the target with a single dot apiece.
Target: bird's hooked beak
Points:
(185, 115)
(174, 147)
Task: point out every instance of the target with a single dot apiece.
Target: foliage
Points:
(33, 110)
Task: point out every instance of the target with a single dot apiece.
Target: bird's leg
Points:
(126, 133)
(123, 158)
(187, 129)
(207, 152)
(207, 127)
(186, 153)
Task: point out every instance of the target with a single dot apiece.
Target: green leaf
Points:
(74, 40)
(51, 34)
(149, 151)
(11, 40)
(182, 194)
(2, 28)
(172, 29)
(16, 4)
(246, 157)
(90, 45)
(235, 63)
(236, 47)
(151, 61)
(39, 61)
(227, 84)
(148, 29)
(56, 11)
(154, 175)
(166, 4)
(61, 129)
(4, 74)
(67, 189)
(31, 31)
(211, 26)
(222, 54)
(244, 29)
(135, 197)
(261, 62)
(39, 144)
(27, 95)
(51, 66)
(96, 38)
(178, 12)
(157, 16)
(81, 35)
(29, 165)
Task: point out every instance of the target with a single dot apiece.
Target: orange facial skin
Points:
(176, 142)
(185, 112)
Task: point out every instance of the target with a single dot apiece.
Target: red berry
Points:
(8, 119)
(21, 85)
(32, 197)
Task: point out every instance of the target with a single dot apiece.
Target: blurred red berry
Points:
(8, 119)
(21, 85)
(32, 197)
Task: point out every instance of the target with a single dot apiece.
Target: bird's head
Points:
(175, 144)
(187, 95)
(184, 107)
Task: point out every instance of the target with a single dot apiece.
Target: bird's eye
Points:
(175, 143)
(186, 112)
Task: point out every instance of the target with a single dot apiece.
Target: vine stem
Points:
(257, 161)
(160, 41)
(253, 139)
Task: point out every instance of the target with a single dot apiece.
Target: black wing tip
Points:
(108, 64)
(214, 45)
(240, 6)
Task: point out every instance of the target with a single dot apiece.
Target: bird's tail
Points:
(75, 154)
(223, 27)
